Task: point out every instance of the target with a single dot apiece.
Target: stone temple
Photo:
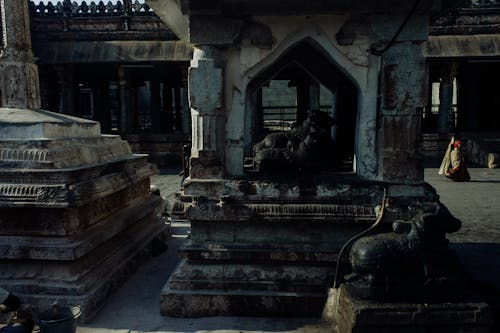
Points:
(266, 241)
(305, 123)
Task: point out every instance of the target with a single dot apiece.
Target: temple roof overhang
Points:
(457, 46)
(111, 51)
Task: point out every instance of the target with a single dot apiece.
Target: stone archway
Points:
(360, 74)
(318, 84)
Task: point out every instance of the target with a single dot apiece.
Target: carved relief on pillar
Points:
(12, 80)
(19, 85)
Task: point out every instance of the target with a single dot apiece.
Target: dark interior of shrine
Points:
(473, 96)
(301, 80)
(149, 94)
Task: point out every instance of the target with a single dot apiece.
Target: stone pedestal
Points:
(266, 247)
(355, 315)
(76, 214)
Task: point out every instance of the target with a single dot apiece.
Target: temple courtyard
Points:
(135, 307)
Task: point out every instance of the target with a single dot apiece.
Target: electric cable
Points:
(398, 32)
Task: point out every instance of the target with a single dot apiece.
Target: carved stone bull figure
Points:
(413, 262)
(308, 145)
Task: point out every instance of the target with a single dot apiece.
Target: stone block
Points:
(355, 315)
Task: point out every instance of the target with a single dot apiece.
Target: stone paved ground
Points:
(135, 307)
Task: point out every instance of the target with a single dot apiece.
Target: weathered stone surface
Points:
(88, 281)
(462, 46)
(62, 153)
(71, 187)
(354, 315)
(23, 124)
(53, 168)
(257, 241)
(244, 222)
(33, 247)
(112, 51)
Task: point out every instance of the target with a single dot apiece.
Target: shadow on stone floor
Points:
(481, 263)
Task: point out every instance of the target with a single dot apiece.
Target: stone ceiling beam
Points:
(171, 14)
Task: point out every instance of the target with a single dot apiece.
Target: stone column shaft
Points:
(403, 92)
(156, 124)
(125, 110)
(18, 72)
(168, 111)
(446, 116)
(66, 89)
(186, 118)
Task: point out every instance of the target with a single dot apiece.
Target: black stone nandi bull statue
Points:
(413, 263)
(308, 145)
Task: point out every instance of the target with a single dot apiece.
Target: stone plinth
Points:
(355, 315)
(266, 247)
(76, 212)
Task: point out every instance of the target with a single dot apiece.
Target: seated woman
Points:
(453, 165)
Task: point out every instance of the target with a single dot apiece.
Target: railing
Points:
(67, 8)
(282, 117)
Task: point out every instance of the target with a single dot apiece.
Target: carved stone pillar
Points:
(125, 112)
(186, 119)
(178, 109)
(18, 72)
(314, 93)
(446, 118)
(168, 110)
(155, 89)
(403, 92)
(66, 89)
(206, 103)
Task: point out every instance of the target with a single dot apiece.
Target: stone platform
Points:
(76, 213)
(360, 316)
(270, 247)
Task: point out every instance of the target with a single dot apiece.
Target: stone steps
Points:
(213, 302)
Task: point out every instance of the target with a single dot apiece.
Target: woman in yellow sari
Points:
(453, 164)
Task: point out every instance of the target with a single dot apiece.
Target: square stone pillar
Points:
(206, 100)
(403, 98)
